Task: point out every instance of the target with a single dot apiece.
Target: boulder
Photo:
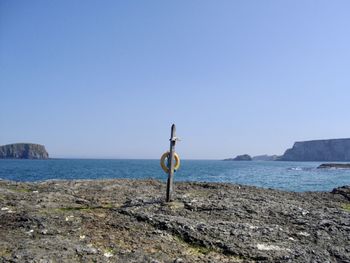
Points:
(343, 190)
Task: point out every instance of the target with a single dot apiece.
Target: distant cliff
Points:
(319, 150)
(23, 151)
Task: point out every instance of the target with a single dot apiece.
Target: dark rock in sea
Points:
(265, 157)
(334, 165)
(334, 150)
(128, 221)
(243, 157)
(23, 151)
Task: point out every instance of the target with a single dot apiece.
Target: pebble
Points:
(89, 249)
(30, 232)
(68, 218)
(108, 254)
(305, 234)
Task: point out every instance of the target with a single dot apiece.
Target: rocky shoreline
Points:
(128, 221)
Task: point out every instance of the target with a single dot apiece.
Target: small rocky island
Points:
(128, 221)
(23, 151)
(243, 157)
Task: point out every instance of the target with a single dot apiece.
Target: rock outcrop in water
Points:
(23, 151)
(128, 221)
(243, 157)
(334, 165)
(319, 150)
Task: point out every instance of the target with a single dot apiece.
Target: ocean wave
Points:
(295, 169)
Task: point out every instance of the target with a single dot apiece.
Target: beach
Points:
(123, 220)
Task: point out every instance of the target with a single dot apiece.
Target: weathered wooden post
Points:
(169, 187)
(170, 162)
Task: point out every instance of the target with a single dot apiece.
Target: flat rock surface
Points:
(128, 221)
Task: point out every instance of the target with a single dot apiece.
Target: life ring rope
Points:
(164, 161)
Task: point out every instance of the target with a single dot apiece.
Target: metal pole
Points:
(169, 188)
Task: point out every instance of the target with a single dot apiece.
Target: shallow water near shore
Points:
(290, 176)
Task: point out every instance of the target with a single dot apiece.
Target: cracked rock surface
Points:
(128, 221)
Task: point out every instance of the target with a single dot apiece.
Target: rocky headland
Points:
(333, 150)
(23, 151)
(128, 221)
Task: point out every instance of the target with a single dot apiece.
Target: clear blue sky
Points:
(108, 78)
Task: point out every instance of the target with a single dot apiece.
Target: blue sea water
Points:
(291, 176)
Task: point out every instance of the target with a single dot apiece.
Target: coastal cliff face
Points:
(23, 151)
(319, 150)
